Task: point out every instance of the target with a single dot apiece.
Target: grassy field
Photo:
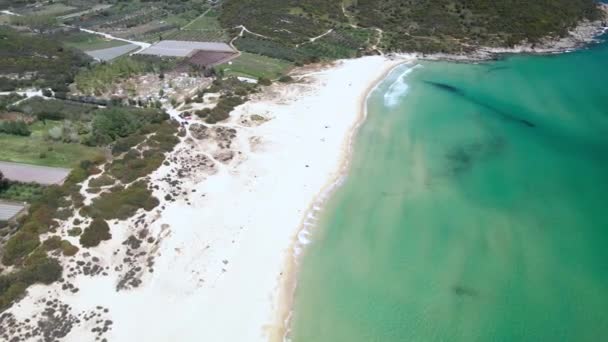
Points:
(204, 23)
(200, 35)
(204, 28)
(35, 149)
(87, 42)
(256, 66)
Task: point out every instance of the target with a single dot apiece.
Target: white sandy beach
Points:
(221, 251)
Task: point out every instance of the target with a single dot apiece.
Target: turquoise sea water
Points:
(476, 209)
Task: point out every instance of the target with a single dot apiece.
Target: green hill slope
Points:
(407, 25)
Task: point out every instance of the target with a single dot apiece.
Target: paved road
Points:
(142, 45)
(33, 174)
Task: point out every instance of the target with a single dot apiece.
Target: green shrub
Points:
(222, 110)
(49, 63)
(95, 233)
(76, 231)
(264, 81)
(103, 180)
(124, 144)
(15, 128)
(52, 243)
(22, 192)
(114, 123)
(19, 246)
(40, 270)
(68, 249)
(122, 203)
(55, 109)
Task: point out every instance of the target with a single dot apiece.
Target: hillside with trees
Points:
(34, 60)
(410, 25)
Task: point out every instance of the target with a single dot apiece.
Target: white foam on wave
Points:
(398, 89)
(304, 237)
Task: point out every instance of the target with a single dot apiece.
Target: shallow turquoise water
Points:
(476, 209)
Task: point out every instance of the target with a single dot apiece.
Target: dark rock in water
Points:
(505, 115)
(462, 158)
(463, 291)
(497, 68)
(445, 87)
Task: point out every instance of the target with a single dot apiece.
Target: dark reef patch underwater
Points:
(475, 209)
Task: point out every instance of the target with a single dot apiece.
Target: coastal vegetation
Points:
(40, 149)
(449, 25)
(255, 66)
(143, 144)
(39, 269)
(232, 93)
(37, 61)
(282, 27)
(20, 192)
(103, 77)
(95, 233)
(113, 123)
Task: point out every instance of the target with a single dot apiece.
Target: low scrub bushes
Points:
(76, 231)
(114, 123)
(55, 109)
(122, 203)
(19, 246)
(95, 233)
(43, 213)
(155, 140)
(55, 242)
(7, 100)
(15, 128)
(40, 269)
(103, 180)
(22, 192)
(221, 111)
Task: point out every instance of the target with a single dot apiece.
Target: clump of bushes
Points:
(113, 123)
(103, 180)
(22, 192)
(124, 144)
(39, 269)
(44, 212)
(95, 233)
(157, 139)
(19, 246)
(264, 81)
(55, 242)
(221, 111)
(15, 128)
(3, 182)
(7, 100)
(75, 231)
(55, 109)
(122, 202)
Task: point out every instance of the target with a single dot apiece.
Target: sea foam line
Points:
(399, 88)
(303, 237)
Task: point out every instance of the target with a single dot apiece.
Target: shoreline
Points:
(233, 198)
(288, 285)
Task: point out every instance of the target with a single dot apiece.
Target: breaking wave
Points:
(398, 89)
